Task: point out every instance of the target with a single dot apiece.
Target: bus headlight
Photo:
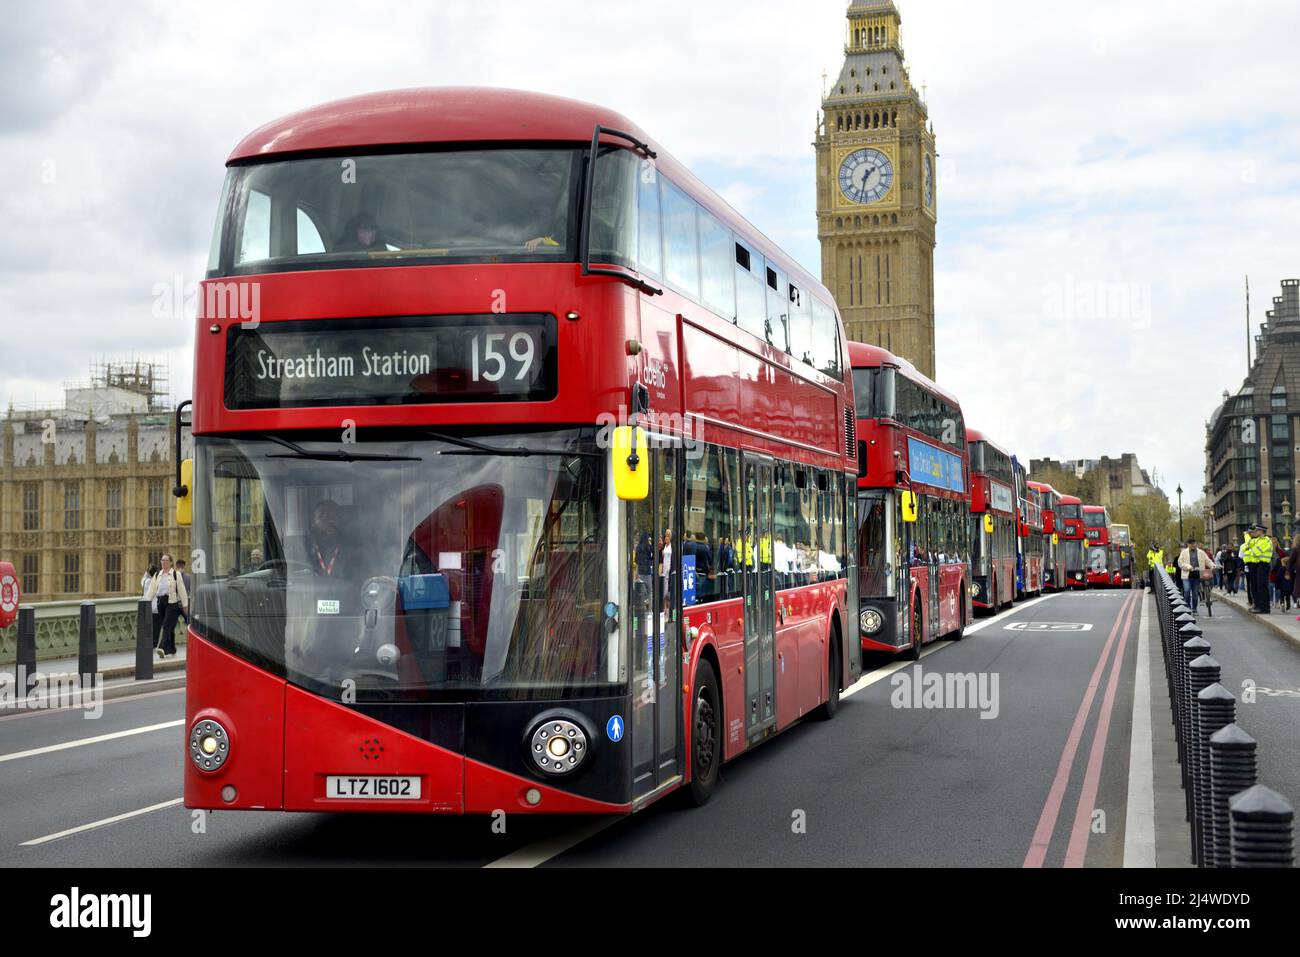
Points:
(209, 745)
(558, 746)
(871, 620)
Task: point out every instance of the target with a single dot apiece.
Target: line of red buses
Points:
(529, 476)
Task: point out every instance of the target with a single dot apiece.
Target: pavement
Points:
(1070, 768)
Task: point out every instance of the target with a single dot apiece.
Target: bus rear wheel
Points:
(706, 734)
(960, 633)
(832, 702)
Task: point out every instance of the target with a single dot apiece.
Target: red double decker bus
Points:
(1053, 550)
(1122, 557)
(1029, 534)
(993, 523)
(1096, 535)
(913, 527)
(1070, 525)
(440, 572)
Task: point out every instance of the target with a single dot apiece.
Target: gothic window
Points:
(875, 220)
(839, 123)
(857, 221)
(893, 219)
(839, 222)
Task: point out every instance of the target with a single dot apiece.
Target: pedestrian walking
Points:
(147, 579)
(168, 595)
(185, 577)
(1231, 567)
(1195, 565)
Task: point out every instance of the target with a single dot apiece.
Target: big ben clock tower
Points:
(876, 198)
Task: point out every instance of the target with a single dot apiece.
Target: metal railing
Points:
(58, 629)
(87, 630)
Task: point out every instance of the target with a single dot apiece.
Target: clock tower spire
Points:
(876, 200)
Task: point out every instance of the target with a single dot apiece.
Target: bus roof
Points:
(1070, 499)
(864, 356)
(974, 435)
(468, 114)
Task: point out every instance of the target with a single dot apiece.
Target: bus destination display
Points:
(391, 361)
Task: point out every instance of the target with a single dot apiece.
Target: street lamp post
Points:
(1286, 519)
(1179, 490)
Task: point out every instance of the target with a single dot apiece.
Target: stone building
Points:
(1114, 479)
(876, 201)
(85, 488)
(1252, 440)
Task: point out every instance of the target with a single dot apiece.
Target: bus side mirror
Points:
(631, 454)
(988, 522)
(908, 501)
(185, 495)
(1055, 539)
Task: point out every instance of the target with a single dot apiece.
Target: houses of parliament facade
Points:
(876, 191)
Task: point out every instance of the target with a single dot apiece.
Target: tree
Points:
(1149, 518)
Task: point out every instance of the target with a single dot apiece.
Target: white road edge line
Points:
(536, 854)
(94, 824)
(542, 851)
(1140, 821)
(82, 742)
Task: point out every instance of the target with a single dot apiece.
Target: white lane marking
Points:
(82, 742)
(1140, 822)
(104, 823)
(542, 851)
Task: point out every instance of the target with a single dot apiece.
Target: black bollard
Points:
(87, 646)
(1261, 828)
(1232, 770)
(25, 664)
(1201, 673)
(1215, 709)
(143, 640)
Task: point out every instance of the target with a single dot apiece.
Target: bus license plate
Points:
(367, 787)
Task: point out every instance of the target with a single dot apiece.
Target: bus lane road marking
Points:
(1056, 795)
(1078, 846)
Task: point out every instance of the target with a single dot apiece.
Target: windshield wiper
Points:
(298, 452)
(471, 447)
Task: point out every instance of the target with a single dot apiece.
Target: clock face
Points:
(929, 180)
(866, 176)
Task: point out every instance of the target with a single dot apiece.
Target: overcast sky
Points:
(1109, 171)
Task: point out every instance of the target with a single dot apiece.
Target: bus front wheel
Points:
(706, 734)
(914, 652)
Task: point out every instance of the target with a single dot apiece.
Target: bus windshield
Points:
(460, 205)
(1094, 519)
(1071, 511)
(425, 570)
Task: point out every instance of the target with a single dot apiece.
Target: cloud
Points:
(1102, 153)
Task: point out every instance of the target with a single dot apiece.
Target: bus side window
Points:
(649, 242)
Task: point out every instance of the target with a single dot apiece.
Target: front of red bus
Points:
(1071, 525)
(1096, 535)
(407, 595)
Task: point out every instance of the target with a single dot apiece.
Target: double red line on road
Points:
(1056, 796)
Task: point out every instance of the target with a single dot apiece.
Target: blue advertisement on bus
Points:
(935, 466)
